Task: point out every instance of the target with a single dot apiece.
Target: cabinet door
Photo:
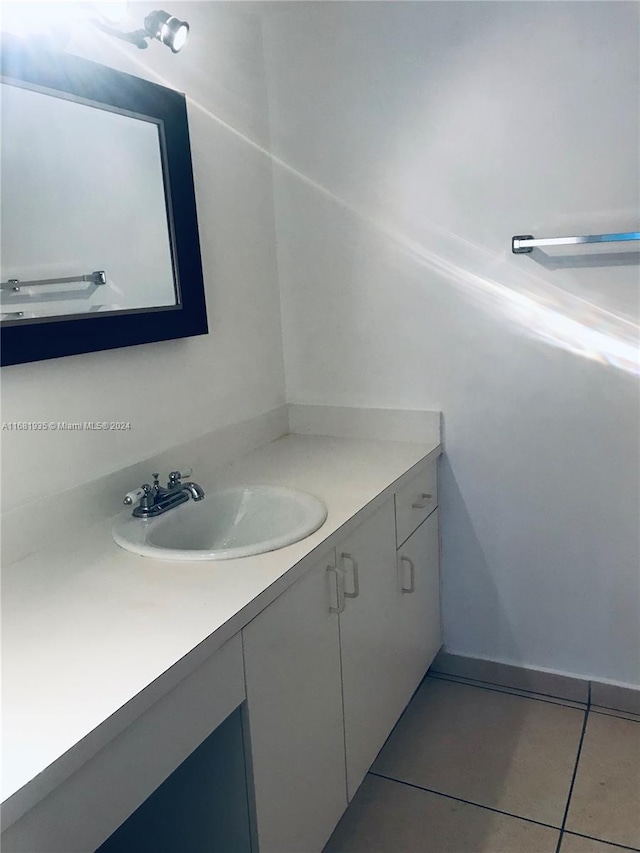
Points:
(294, 703)
(419, 605)
(372, 681)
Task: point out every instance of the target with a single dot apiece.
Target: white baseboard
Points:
(563, 685)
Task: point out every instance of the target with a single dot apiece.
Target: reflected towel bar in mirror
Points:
(524, 243)
(14, 284)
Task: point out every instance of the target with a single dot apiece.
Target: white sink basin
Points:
(235, 522)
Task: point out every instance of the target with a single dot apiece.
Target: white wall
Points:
(173, 391)
(434, 132)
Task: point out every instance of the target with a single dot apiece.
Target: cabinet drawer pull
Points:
(412, 575)
(356, 581)
(339, 590)
(422, 501)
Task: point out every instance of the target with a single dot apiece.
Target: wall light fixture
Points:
(167, 29)
(157, 25)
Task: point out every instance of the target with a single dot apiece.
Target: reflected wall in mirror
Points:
(82, 190)
(99, 245)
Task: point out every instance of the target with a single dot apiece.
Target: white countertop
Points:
(93, 635)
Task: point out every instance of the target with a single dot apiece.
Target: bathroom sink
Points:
(234, 522)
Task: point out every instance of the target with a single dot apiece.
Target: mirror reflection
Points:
(85, 224)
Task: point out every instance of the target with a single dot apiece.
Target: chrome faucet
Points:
(154, 500)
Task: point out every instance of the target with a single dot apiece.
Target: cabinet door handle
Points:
(356, 581)
(340, 593)
(412, 575)
(422, 501)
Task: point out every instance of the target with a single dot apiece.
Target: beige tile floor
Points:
(479, 768)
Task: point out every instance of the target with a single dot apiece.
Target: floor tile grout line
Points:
(573, 778)
(610, 713)
(505, 688)
(602, 841)
(508, 692)
(590, 710)
(461, 800)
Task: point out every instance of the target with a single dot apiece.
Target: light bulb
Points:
(167, 29)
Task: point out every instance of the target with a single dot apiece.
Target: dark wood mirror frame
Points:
(59, 336)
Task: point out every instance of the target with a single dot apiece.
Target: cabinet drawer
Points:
(415, 501)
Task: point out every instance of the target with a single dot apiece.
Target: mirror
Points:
(99, 245)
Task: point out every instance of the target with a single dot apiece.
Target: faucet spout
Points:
(196, 491)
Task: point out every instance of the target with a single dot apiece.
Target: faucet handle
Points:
(176, 476)
(136, 495)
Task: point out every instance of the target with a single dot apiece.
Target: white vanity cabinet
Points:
(369, 626)
(321, 676)
(294, 705)
(311, 681)
(419, 607)
(332, 663)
